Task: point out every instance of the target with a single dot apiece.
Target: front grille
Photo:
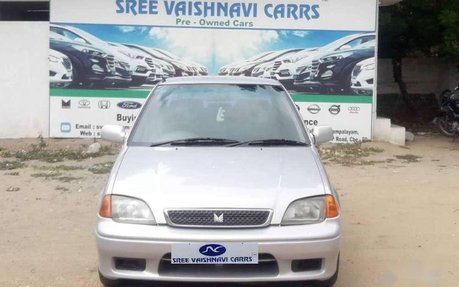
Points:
(315, 68)
(67, 64)
(218, 218)
(267, 266)
(277, 64)
(110, 62)
(149, 62)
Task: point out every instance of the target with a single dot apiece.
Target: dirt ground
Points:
(400, 207)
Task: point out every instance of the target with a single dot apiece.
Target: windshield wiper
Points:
(197, 141)
(270, 142)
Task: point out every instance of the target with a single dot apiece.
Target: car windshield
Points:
(89, 37)
(168, 54)
(238, 113)
(366, 45)
(336, 44)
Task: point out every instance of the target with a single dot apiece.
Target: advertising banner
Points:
(107, 55)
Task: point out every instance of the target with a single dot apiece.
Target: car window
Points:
(356, 42)
(235, 112)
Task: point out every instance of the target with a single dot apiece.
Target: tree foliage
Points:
(420, 28)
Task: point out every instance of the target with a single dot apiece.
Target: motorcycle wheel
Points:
(446, 127)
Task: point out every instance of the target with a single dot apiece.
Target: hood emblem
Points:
(218, 219)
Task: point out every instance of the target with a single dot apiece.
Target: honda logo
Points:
(104, 105)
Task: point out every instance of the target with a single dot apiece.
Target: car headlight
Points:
(53, 59)
(310, 210)
(369, 67)
(125, 209)
(334, 58)
(244, 68)
(89, 51)
(183, 67)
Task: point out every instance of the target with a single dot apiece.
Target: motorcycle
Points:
(448, 123)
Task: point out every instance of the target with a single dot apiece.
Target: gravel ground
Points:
(400, 208)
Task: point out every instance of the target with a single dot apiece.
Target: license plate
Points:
(214, 253)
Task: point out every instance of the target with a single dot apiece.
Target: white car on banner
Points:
(229, 69)
(363, 74)
(167, 68)
(138, 68)
(181, 67)
(154, 72)
(60, 69)
(265, 70)
(198, 69)
(254, 68)
(285, 71)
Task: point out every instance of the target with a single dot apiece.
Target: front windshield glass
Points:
(366, 45)
(336, 44)
(89, 37)
(224, 111)
(168, 54)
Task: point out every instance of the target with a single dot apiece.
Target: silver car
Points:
(218, 181)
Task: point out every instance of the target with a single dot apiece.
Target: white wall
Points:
(24, 79)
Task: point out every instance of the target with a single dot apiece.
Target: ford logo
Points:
(212, 250)
(129, 105)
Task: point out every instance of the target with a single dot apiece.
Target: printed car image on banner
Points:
(105, 61)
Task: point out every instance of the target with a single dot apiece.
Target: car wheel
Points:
(108, 282)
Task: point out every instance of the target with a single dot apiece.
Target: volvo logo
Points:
(314, 109)
(218, 219)
(335, 109)
(129, 105)
(212, 250)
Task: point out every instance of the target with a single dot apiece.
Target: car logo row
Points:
(103, 104)
(333, 109)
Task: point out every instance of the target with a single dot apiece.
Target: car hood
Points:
(240, 177)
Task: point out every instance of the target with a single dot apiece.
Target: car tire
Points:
(108, 282)
(330, 282)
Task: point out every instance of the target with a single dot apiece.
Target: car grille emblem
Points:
(218, 219)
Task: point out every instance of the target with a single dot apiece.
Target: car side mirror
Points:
(322, 134)
(113, 133)
(345, 47)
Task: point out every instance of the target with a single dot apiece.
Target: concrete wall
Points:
(421, 75)
(24, 79)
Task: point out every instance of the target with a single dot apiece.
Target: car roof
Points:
(221, 80)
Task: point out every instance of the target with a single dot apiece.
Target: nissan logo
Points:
(129, 105)
(335, 109)
(212, 250)
(314, 109)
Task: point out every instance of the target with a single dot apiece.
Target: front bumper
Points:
(284, 243)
